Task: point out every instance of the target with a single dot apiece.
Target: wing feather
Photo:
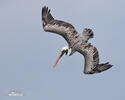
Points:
(59, 27)
(91, 56)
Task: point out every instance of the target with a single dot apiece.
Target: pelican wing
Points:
(91, 56)
(59, 27)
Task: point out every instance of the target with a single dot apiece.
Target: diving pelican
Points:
(76, 42)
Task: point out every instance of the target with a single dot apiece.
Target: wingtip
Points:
(45, 10)
(44, 7)
(46, 15)
(108, 64)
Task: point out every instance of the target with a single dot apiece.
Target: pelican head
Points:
(65, 50)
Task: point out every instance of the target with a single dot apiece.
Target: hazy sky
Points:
(27, 53)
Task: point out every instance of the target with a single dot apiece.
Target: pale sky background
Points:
(27, 53)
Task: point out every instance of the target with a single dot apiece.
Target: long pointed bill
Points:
(61, 54)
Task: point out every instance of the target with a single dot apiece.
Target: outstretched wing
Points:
(91, 56)
(59, 27)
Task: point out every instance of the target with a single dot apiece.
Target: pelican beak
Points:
(61, 54)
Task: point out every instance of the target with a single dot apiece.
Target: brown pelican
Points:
(75, 41)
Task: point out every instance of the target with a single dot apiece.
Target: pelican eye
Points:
(66, 51)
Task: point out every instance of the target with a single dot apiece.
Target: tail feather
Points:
(46, 15)
(102, 67)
